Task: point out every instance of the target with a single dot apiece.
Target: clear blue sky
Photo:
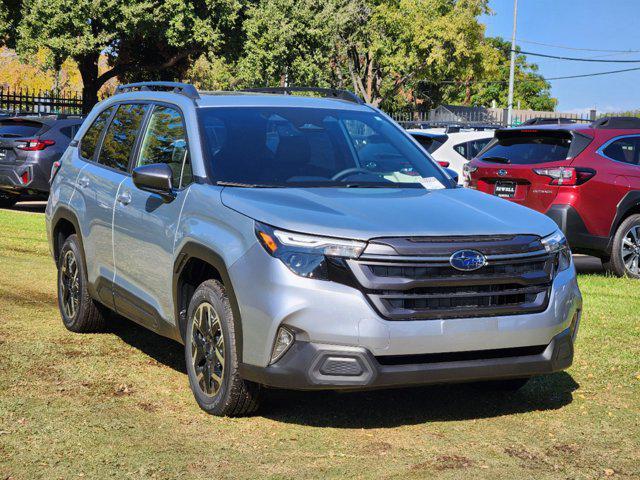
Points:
(595, 24)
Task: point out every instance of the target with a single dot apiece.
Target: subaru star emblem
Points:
(467, 260)
(502, 172)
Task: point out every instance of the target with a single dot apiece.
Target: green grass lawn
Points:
(118, 404)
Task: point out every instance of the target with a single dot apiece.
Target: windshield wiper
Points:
(242, 185)
(496, 159)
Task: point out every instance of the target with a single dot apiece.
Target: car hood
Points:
(365, 213)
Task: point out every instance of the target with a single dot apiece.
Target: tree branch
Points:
(123, 67)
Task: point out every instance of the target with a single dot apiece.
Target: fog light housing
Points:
(284, 340)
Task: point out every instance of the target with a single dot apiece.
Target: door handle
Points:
(124, 198)
(83, 182)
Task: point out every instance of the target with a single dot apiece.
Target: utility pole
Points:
(512, 67)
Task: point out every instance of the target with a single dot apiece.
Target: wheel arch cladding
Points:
(193, 265)
(65, 223)
(629, 205)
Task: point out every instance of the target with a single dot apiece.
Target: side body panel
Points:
(144, 233)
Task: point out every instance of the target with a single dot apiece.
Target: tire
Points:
(625, 251)
(7, 200)
(211, 358)
(507, 385)
(80, 313)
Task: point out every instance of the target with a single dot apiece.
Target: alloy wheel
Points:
(207, 349)
(70, 285)
(631, 250)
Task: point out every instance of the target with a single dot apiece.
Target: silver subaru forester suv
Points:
(301, 242)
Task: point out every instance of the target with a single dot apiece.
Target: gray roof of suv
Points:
(243, 99)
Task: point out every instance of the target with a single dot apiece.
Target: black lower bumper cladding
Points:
(309, 366)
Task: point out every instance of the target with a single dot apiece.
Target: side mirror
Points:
(453, 175)
(155, 178)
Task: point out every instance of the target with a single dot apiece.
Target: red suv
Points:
(586, 177)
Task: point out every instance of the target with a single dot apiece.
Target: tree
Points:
(37, 73)
(410, 41)
(142, 39)
(288, 41)
(382, 49)
(531, 90)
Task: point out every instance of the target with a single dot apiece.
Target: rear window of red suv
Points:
(521, 149)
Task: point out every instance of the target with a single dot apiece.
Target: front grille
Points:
(382, 270)
(423, 285)
(467, 356)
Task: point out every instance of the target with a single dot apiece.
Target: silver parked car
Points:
(302, 242)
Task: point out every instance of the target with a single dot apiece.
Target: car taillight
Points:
(566, 176)
(443, 164)
(34, 144)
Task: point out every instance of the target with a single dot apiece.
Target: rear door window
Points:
(528, 149)
(17, 128)
(91, 137)
(625, 150)
(121, 136)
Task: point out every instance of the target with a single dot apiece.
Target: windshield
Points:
(304, 147)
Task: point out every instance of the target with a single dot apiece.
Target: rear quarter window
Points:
(89, 141)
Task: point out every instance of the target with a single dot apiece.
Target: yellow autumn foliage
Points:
(36, 74)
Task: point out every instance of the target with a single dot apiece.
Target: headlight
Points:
(557, 243)
(306, 255)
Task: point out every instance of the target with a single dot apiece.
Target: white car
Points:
(453, 150)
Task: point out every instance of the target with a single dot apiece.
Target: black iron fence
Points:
(25, 101)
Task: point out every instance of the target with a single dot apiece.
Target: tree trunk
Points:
(88, 66)
(467, 92)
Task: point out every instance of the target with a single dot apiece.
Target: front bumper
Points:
(325, 313)
(310, 366)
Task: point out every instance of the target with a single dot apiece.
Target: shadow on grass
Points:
(378, 408)
(409, 406)
(161, 349)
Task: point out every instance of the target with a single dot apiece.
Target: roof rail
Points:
(325, 92)
(185, 89)
(616, 123)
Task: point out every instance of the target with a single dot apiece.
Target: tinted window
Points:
(69, 131)
(461, 148)
(91, 137)
(19, 128)
(527, 149)
(165, 141)
(121, 136)
(624, 150)
(273, 146)
(476, 146)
